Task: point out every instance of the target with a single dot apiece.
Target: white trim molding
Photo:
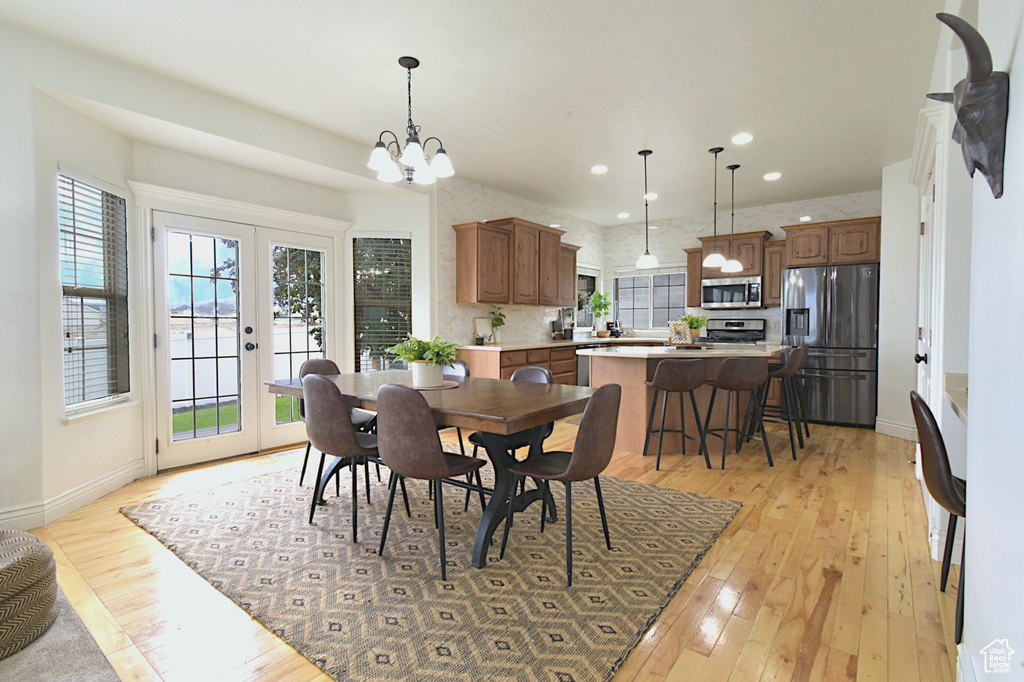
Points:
(193, 203)
(929, 127)
(896, 429)
(35, 515)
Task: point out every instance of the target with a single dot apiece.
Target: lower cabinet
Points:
(502, 364)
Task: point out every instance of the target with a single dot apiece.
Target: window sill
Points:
(72, 416)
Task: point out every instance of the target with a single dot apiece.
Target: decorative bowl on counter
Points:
(603, 334)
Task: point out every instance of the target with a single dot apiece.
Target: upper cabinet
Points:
(833, 243)
(694, 259)
(513, 261)
(567, 276)
(774, 262)
(747, 248)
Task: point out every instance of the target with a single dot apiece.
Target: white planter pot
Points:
(424, 375)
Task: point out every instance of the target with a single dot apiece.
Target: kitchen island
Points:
(499, 361)
(630, 366)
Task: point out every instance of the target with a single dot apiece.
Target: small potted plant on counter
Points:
(600, 305)
(497, 320)
(426, 359)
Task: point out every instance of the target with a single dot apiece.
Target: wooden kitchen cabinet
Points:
(837, 242)
(494, 364)
(567, 276)
(694, 259)
(747, 248)
(774, 263)
(483, 258)
(513, 261)
(855, 242)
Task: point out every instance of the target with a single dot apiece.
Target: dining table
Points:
(503, 412)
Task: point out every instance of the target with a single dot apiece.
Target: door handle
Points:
(921, 358)
(250, 346)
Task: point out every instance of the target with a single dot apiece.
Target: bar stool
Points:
(790, 412)
(677, 376)
(948, 490)
(739, 374)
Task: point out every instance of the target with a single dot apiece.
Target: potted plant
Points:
(497, 320)
(426, 359)
(600, 305)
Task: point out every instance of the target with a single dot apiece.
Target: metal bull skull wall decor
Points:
(980, 102)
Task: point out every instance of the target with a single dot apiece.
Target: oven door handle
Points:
(847, 377)
(837, 355)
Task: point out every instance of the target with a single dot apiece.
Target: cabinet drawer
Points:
(513, 357)
(567, 379)
(538, 356)
(563, 354)
(506, 372)
(563, 366)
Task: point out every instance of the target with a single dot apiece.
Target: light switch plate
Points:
(460, 328)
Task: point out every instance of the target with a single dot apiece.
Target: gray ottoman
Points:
(28, 590)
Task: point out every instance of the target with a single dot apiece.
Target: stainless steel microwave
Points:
(731, 292)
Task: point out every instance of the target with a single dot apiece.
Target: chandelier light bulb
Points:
(423, 176)
(379, 158)
(440, 166)
(412, 156)
(390, 173)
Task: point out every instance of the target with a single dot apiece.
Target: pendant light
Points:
(732, 265)
(715, 259)
(647, 260)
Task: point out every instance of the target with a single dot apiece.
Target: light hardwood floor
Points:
(823, 575)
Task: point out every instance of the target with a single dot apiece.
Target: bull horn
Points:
(979, 59)
(941, 96)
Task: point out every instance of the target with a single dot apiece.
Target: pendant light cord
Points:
(732, 216)
(647, 229)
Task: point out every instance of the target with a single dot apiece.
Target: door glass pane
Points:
(298, 328)
(203, 293)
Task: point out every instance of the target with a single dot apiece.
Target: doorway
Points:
(235, 305)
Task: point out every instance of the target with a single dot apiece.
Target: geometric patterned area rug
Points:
(359, 616)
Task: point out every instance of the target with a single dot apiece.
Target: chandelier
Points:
(647, 260)
(393, 163)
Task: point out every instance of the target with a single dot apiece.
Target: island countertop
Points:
(717, 351)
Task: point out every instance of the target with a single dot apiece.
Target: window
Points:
(94, 279)
(298, 317)
(382, 284)
(649, 301)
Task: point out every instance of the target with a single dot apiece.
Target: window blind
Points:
(94, 280)
(382, 285)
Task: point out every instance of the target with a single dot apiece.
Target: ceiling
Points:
(528, 95)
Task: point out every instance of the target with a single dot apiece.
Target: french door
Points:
(236, 305)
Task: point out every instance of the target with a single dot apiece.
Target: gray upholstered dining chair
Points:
(595, 443)
(409, 445)
(333, 436)
(363, 420)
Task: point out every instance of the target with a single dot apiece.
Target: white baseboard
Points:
(28, 516)
(896, 430)
(965, 667)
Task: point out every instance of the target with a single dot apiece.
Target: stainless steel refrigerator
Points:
(834, 309)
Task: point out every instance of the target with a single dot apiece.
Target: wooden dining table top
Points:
(493, 405)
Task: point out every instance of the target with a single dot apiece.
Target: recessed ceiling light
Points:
(654, 227)
(623, 215)
(598, 170)
(742, 138)
(772, 176)
(651, 196)
(557, 225)
(805, 218)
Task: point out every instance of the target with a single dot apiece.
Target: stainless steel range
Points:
(749, 330)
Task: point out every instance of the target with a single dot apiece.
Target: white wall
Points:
(49, 464)
(897, 304)
(995, 467)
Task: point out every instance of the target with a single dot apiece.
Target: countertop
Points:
(622, 340)
(725, 350)
(956, 394)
